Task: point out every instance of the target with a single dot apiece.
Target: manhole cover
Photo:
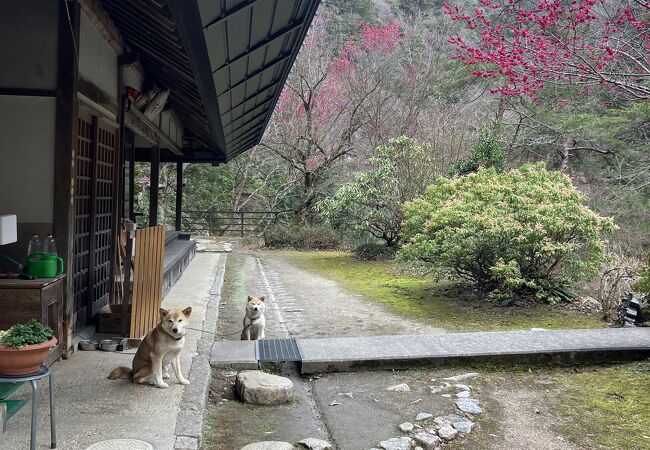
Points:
(121, 444)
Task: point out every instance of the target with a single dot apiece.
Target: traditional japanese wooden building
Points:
(89, 87)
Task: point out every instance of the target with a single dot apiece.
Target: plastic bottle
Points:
(49, 245)
(34, 245)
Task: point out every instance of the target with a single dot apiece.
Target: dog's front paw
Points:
(166, 376)
(184, 381)
(162, 385)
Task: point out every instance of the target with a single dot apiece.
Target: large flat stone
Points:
(269, 445)
(261, 388)
(549, 346)
(238, 355)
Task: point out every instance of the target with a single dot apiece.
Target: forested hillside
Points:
(462, 85)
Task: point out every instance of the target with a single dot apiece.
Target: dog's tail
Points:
(120, 372)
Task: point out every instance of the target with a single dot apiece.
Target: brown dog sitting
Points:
(160, 348)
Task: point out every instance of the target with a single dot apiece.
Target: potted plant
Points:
(24, 347)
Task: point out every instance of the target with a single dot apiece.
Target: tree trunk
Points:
(569, 144)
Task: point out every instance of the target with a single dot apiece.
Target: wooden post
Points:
(154, 181)
(126, 298)
(179, 194)
(241, 223)
(65, 146)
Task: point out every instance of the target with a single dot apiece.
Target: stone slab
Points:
(238, 355)
(552, 346)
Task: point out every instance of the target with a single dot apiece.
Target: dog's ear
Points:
(262, 298)
(163, 312)
(187, 311)
(250, 298)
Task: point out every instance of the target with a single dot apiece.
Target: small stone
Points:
(400, 388)
(418, 448)
(427, 441)
(269, 445)
(315, 444)
(463, 394)
(448, 419)
(463, 426)
(446, 395)
(260, 388)
(423, 416)
(462, 387)
(346, 394)
(462, 377)
(406, 427)
(466, 405)
(447, 433)
(400, 443)
(537, 411)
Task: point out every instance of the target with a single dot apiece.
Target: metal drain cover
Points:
(121, 444)
(277, 350)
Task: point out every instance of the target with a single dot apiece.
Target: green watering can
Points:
(44, 265)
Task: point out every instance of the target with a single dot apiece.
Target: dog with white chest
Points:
(254, 321)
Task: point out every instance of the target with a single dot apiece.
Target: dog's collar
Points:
(172, 336)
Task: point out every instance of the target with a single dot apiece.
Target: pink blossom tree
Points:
(529, 44)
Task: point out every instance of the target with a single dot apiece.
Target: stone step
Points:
(499, 348)
(483, 348)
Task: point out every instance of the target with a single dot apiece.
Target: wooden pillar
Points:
(65, 142)
(154, 179)
(179, 194)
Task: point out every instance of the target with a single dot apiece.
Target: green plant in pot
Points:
(24, 347)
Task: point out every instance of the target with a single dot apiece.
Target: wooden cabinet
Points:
(40, 299)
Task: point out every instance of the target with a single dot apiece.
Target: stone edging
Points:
(189, 422)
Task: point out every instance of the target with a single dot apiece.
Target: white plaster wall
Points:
(27, 126)
(97, 60)
(28, 44)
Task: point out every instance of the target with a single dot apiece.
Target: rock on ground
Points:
(315, 444)
(462, 377)
(464, 426)
(401, 443)
(469, 406)
(423, 416)
(260, 388)
(400, 388)
(406, 427)
(269, 445)
(427, 440)
(463, 394)
(448, 419)
(447, 433)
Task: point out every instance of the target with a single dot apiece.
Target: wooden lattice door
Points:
(93, 234)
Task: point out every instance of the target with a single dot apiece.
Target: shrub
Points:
(30, 333)
(372, 203)
(312, 237)
(643, 285)
(521, 232)
(372, 251)
(486, 153)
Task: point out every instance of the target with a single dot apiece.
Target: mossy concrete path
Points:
(357, 410)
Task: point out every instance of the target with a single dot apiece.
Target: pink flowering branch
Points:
(530, 44)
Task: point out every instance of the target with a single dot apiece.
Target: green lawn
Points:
(607, 407)
(445, 305)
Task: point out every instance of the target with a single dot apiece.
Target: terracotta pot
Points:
(24, 360)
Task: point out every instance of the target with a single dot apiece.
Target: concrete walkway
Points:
(375, 352)
(91, 408)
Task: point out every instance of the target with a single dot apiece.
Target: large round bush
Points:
(519, 232)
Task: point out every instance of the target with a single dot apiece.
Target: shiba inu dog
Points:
(254, 321)
(160, 349)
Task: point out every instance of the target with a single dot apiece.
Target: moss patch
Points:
(607, 407)
(444, 304)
